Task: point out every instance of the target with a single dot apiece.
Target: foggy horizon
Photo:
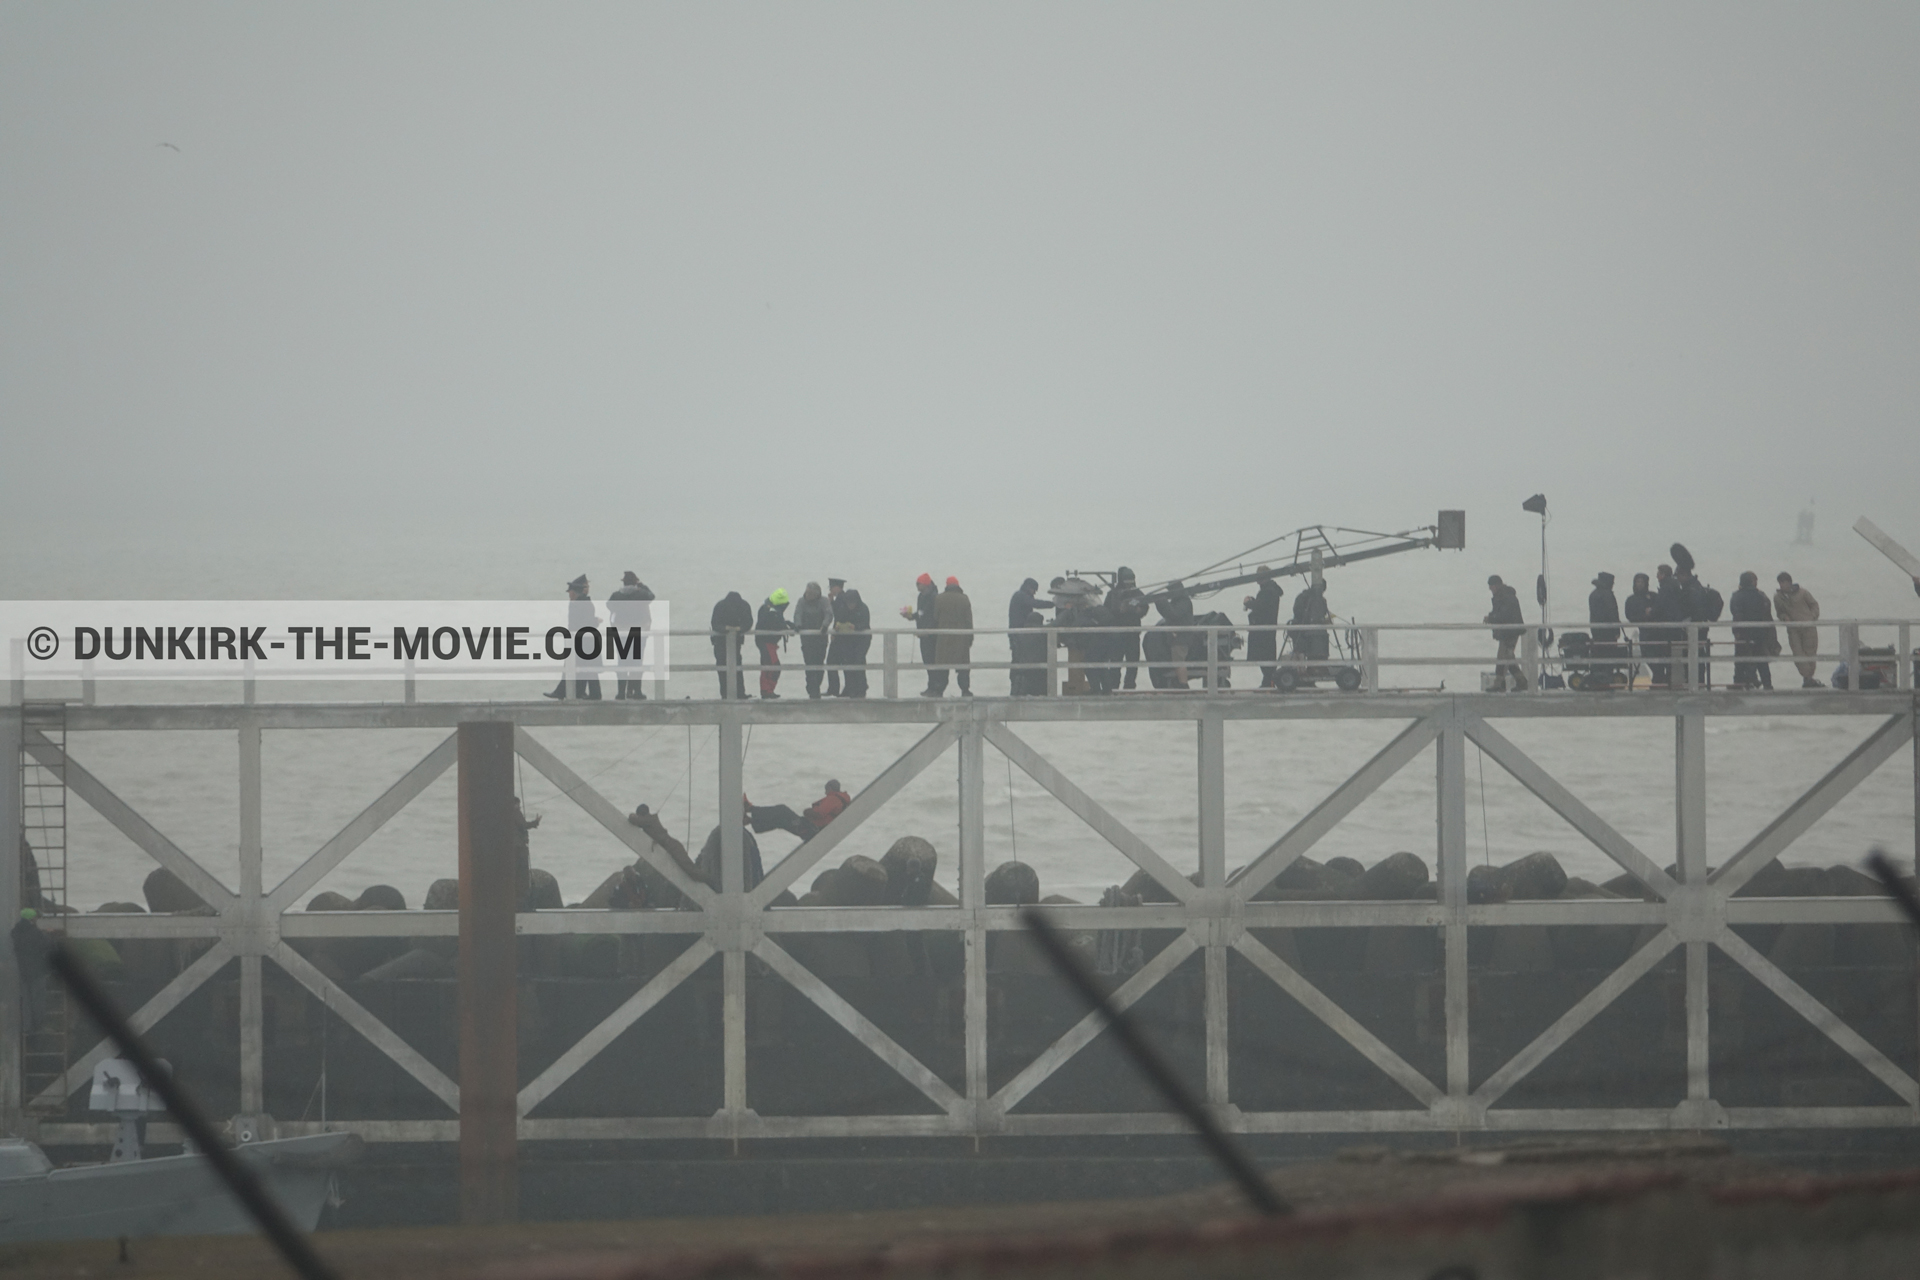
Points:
(386, 287)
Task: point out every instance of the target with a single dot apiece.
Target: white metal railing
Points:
(1353, 647)
(1704, 655)
(1362, 657)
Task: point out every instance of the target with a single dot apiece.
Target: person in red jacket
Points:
(780, 817)
(829, 806)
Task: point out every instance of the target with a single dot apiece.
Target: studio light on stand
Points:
(1537, 504)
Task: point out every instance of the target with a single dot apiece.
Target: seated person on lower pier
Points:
(780, 817)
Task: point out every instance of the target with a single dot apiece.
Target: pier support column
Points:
(1212, 775)
(1450, 817)
(973, 901)
(1690, 794)
(1690, 850)
(252, 1034)
(489, 976)
(1213, 800)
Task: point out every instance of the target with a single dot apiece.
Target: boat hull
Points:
(171, 1195)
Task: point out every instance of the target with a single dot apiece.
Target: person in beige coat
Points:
(1794, 603)
(952, 611)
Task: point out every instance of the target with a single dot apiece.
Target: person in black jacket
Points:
(1506, 609)
(1104, 647)
(1126, 607)
(1028, 641)
(1024, 605)
(1177, 611)
(1639, 611)
(1751, 605)
(1263, 610)
(1670, 605)
(813, 619)
(1310, 610)
(1602, 609)
(840, 635)
(859, 638)
(1703, 604)
(732, 619)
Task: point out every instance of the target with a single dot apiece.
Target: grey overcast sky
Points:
(807, 270)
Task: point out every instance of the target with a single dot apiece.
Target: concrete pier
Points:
(1295, 1012)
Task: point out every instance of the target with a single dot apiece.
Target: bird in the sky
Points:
(169, 146)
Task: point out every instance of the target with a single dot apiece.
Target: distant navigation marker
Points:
(1803, 536)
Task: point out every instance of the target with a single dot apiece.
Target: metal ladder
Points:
(46, 1050)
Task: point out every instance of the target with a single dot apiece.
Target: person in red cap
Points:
(921, 615)
(952, 615)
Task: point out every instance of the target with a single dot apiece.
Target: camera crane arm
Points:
(1316, 547)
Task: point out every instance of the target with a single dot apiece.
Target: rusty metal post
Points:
(489, 972)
